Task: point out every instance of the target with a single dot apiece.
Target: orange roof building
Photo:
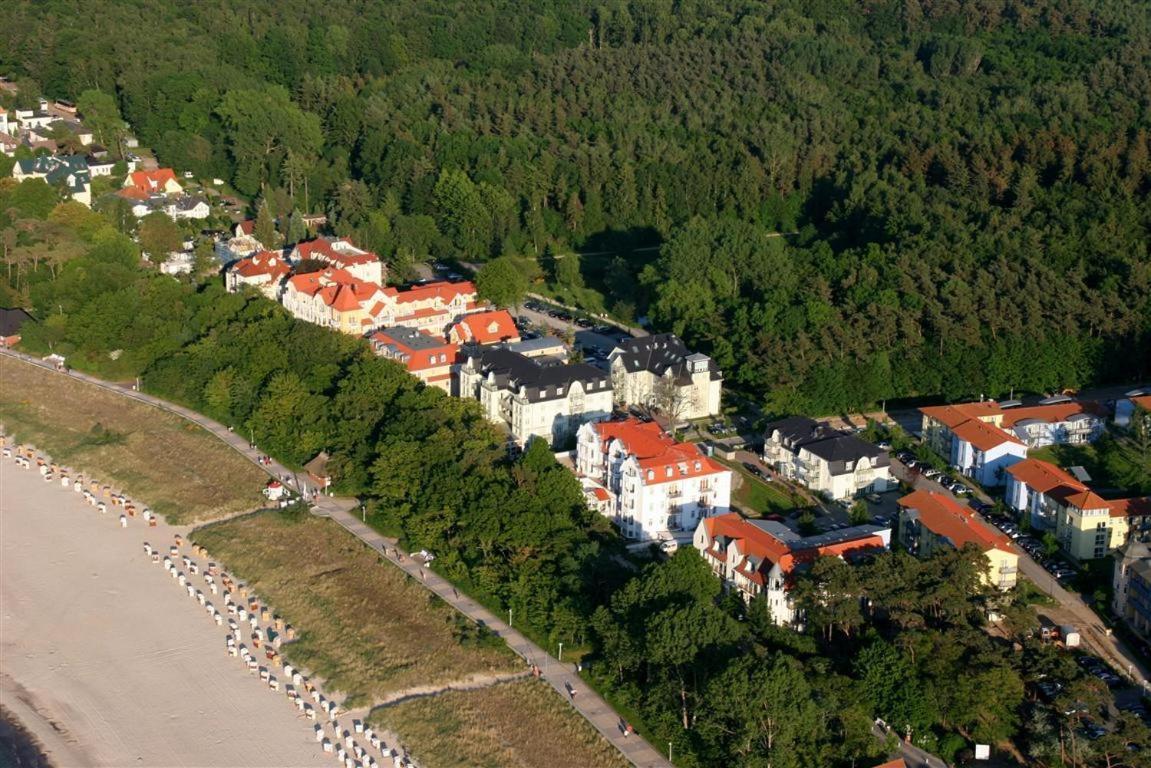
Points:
(484, 328)
(931, 521)
(1129, 404)
(661, 488)
(341, 254)
(427, 357)
(760, 557)
(263, 270)
(431, 307)
(1086, 525)
(333, 298)
(161, 181)
(972, 439)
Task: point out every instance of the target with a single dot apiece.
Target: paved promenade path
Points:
(343, 511)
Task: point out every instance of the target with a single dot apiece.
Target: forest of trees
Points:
(857, 201)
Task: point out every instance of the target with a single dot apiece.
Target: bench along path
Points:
(560, 675)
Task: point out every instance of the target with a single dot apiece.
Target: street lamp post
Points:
(561, 654)
(669, 751)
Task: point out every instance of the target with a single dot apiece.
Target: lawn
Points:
(363, 625)
(1113, 463)
(178, 469)
(756, 497)
(522, 724)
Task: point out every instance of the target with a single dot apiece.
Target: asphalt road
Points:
(1094, 635)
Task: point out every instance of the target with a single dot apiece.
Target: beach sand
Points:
(107, 661)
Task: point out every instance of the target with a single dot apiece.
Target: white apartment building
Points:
(265, 271)
(660, 372)
(758, 558)
(535, 397)
(658, 489)
(836, 464)
(341, 254)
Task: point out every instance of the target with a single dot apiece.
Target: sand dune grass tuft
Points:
(364, 626)
(521, 725)
(182, 471)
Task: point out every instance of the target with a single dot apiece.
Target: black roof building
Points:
(537, 378)
(663, 352)
(840, 450)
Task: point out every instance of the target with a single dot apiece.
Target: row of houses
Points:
(760, 559)
(982, 440)
(443, 334)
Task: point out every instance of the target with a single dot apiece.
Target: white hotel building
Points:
(658, 489)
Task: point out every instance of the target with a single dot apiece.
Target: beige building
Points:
(535, 397)
(660, 372)
(837, 464)
(932, 521)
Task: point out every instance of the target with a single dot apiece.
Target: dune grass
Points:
(181, 471)
(522, 724)
(363, 625)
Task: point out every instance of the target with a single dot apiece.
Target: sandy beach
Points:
(104, 660)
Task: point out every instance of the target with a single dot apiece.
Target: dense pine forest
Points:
(843, 202)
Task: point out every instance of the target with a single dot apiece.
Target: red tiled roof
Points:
(1086, 499)
(982, 435)
(262, 263)
(896, 763)
(133, 193)
(944, 517)
(1136, 507)
(487, 327)
(1051, 414)
(418, 359)
(756, 542)
(601, 493)
(954, 415)
(1143, 401)
(247, 227)
(443, 290)
(151, 181)
(337, 288)
(1043, 476)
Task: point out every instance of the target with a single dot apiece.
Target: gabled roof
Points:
(1135, 507)
(537, 379)
(764, 549)
(982, 435)
(151, 181)
(487, 327)
(443, 291)
(954, 415)
(1043, 476)
(657, 451)
(1143, 401)
(661, 354)
(1086, 499)
(262, 263)
(339, 251)
(944, 517)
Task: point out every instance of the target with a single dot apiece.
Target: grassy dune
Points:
(364, 626)
(521, 724)
(181, 471)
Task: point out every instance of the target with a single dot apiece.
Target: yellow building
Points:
(932, 521)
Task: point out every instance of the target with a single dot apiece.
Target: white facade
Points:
(532, 399)
(659, 489)
(986, 466)
(836, 464)
(660, 372)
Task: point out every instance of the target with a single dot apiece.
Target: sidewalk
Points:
(340, 509)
